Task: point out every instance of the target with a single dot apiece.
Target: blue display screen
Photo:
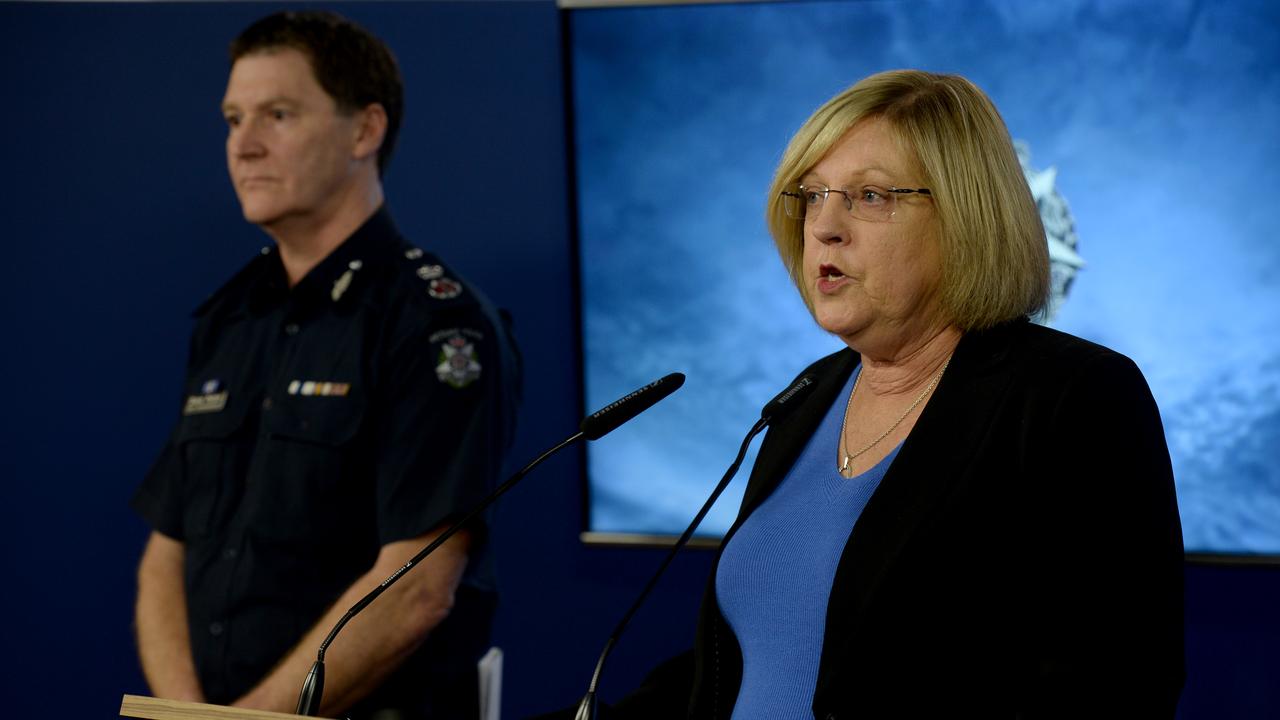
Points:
(1150, 132)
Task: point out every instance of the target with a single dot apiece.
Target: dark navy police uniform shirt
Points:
(369, 404)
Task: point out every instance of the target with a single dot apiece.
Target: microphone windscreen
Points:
(611, 416)
(789, 398)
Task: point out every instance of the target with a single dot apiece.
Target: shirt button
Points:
(215, 629)
(291, 329)
(266, 404)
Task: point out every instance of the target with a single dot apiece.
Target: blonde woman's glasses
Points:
(869, 202)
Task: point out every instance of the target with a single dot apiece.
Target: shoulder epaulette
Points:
(438, 282)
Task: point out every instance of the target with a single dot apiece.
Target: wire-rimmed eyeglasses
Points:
(869, 202)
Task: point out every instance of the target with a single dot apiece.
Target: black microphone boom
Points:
(783, 403)
(593, 427)
(788, 398)
(611, 416)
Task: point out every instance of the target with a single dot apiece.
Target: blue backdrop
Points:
(1151, 138)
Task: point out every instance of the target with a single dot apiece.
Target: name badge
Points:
(207, 403)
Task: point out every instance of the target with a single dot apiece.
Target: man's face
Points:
(290, 151)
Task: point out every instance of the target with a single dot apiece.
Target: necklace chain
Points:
(848, 457)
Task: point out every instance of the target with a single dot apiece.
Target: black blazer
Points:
(1022, 557)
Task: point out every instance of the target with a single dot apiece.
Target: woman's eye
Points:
(872, 196)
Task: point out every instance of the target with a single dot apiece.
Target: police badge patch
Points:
(457, 364)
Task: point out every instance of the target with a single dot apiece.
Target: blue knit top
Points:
(776, 572)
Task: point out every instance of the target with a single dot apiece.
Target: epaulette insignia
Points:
(443, 288)
(439, 286)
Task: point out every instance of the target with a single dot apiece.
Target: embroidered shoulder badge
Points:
(457, 364)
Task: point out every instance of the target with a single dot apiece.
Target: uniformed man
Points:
(347, 395)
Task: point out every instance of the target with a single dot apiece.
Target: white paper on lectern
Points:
(490, 669)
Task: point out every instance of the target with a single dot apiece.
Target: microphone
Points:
(608, 418)
(788, 398)
(593, 427)
(779, 406)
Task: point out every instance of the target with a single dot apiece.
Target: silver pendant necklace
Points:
(848, 457)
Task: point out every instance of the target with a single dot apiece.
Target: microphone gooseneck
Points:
(587, 707)
(780, 405)
(595, 426)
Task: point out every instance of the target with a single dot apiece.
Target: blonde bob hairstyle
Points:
(995, 259)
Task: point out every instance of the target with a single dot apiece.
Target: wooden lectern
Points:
(149, 708)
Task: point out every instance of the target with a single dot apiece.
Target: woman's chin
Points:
(840, 325)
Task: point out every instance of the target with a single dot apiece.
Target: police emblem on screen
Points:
(1059, 230)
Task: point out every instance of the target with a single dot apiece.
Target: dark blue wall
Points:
(119, 219)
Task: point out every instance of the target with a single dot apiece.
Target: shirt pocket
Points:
(215, 454)
(313, 485)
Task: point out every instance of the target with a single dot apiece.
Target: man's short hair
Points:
(353, 66)
(995, 258)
